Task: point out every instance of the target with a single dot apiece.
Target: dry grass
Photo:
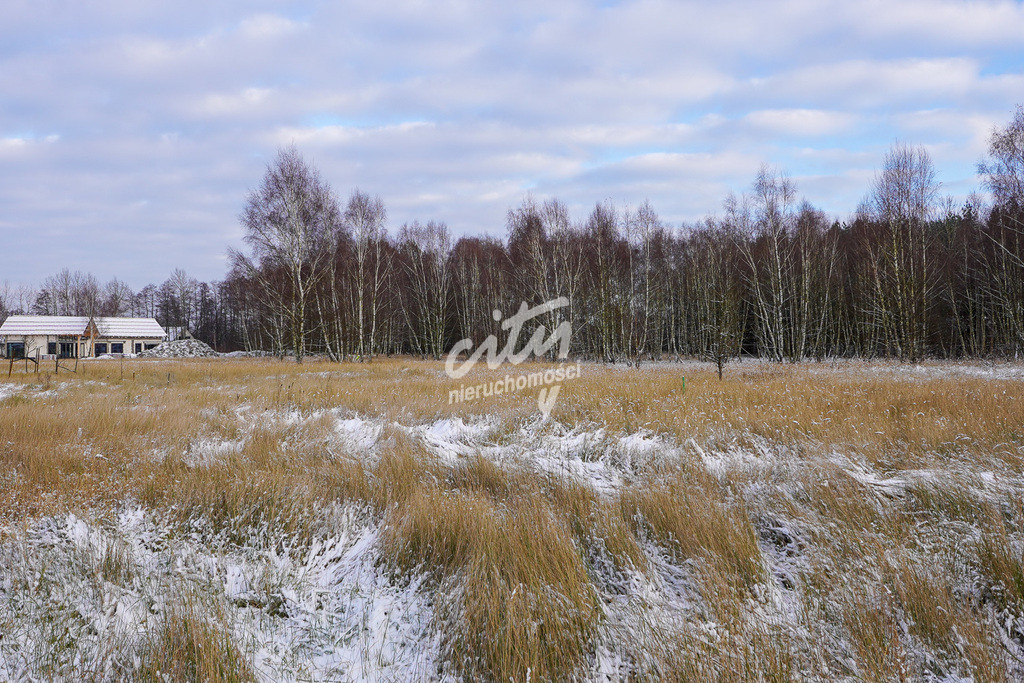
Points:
(892, 574)
(686, 511)
(1001, 561)
(189, 646)
(515, 595)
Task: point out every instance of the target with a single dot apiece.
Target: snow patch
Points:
(328, 611)
(453, 438)
(8, 390)
(358, 435)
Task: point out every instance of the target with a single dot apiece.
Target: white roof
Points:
(20, 325)
(44, 324)
(129, 327)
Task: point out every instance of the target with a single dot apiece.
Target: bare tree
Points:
(144, 304)
(481, 276)
(365, 217)
(288, 224)
(527, 247)
(16, 299)
(117, 298)
(645, 235)
(1004, 176)
(1004, 167)
(569, 259)
(69, 293)
(902, 200)
(179, 299)
(713, 281)
(604, 242)
(764, 222)
(426, 250)
(6, 299)
(775, 277)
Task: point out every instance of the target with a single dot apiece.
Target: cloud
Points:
(130, 133)
(801, 122)
(871, 83)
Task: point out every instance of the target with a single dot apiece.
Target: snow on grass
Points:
(208, 450)
(917, 371)
(453, 438)
(79, 596)
(343, 617)
(8, 390)
(358, 435)
(327, 610)
(46, 390)
(587, 454)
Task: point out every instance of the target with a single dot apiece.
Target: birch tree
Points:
(365, 217)
(288, 222)
(1003, 171)
(902, 200)
(426, 250)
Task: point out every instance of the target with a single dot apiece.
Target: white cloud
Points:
(871, 83)
(262, 26)
(454, 109)
(238, 103)
(801, 122)
(944, 22)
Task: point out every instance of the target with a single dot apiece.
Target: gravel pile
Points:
(181, 348)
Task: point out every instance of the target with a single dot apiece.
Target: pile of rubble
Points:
(180, 348)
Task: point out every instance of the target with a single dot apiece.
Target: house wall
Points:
(40, 342)
(86, 348)
(32, 343)
(129, 344)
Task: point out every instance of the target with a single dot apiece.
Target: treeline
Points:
(909, 276)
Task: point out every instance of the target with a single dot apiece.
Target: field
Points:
(245, 519)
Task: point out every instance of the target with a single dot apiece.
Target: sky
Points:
(131, 132)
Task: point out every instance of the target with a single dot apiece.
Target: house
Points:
(64, 336)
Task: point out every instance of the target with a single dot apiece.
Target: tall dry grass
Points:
(191, 645)
(904, 580)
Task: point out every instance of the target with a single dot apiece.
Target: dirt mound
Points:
(181, 348)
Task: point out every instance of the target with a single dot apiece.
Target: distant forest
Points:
(911, 275)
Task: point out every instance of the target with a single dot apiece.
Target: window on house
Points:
(138, 348)
(117, 347)
(100, 348)
(51, 348)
